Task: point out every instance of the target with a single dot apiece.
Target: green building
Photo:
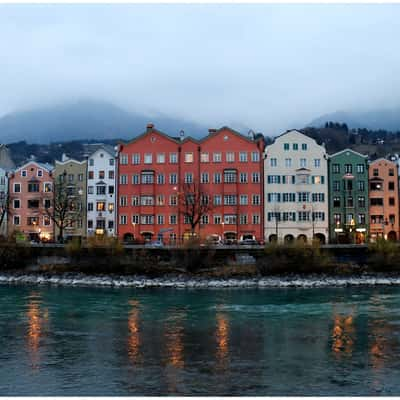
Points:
(348, 197)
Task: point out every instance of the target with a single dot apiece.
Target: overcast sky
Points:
(267, 66)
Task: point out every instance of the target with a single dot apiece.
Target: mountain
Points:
(87, 120)
(388, 119)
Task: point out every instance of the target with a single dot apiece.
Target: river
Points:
(102, 341)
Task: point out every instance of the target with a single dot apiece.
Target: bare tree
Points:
(194, 204)
(66, 208)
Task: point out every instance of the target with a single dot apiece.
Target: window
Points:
(336, 168)
(17, 188)
(217, 177)
(160, 219)
(375, 172)
(336, 186)
(318, 216)
(361, 219)
(288, 197)
(204, 158)
(110, 224)
(33, 187)
(391, 201)
(286, 146)
(111, 162)
(304, 215)
(147, 219)
(274, 179)
(90, 224)
(243, 199)
(303, 163)
(33, 220)
(189, 157)
(317, 162)
(101, 174)
(391, 172)
(48, 187)
(376, 186)
(101, 206)
(135, 200)
(173, 158)
(101, 190)
(90, 206)
(33, 203)
(217, 200)
(148, 158)
(274, 197)
(188, 177)
(243, 177)
(318, 197)
(256, 199)
(361, 201)
(295, 146)
(123, 219)
(289, 216)
(160, 179)
(304, 146)
(205, 177)
(204, 220)
(243, 219)
(348, 168)
(173, 219)
(80, 177)
(255, 156)
(91, 175)
(230, 156)
(135, 179)
(229, 199)
(350, 201)
(274, 216)
(135, 158)
(377, 201)
(160, 158)
(303, 197)
(16, 220)
(391, 219)
(288, 162)
(336, 201)
(24, 173)
(160, 200)
(391, 186)
(361, 186)
(255, 177)
(173, 179)
(273, 162)
(135, 219)
(337, 218)
(124, 159)
(173, 200)
(147, 200)
(111, 174)
(39, 173)
(360, 168)
(217, 157)
(230, 219)
(217, 219)
(230, 176)
(349, 185)
(147, 177)
(16, 203)
(123, 201)
(243, 156)
(91, 162)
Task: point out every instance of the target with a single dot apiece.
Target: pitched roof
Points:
(352, 151)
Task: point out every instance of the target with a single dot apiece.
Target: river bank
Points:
(186, 282)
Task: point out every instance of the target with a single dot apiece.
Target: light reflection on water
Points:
(80, 341)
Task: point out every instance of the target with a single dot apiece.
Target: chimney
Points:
(150, 126)
(64, 157)
(211, 131)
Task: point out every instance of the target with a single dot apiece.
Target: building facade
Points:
(101, 192)
(70, 187)
(220, 174)
(383, 200)
(348, 197)
(31, 201)
(3, 201)
(296, 189)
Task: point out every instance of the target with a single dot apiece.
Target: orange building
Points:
(156, 171)
(383, 200)
(31, 194)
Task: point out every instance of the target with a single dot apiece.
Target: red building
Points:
(166, 184)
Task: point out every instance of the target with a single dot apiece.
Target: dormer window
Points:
(24, 173)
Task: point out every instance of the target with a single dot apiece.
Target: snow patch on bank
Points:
(189, 282)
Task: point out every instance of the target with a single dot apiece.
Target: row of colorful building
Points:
(225, 186)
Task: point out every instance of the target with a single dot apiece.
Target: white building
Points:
(296, 189)
(101, 192)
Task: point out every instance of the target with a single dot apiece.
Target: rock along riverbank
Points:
(184, 282)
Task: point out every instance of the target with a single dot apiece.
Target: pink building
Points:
(31, 194)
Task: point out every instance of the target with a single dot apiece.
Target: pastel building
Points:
(157, 171)
(70, 177)
(3, 201)
(383, 200)
(31, 201)
(101, 192)
(296, 189)
(348, 197)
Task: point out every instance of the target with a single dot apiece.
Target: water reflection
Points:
(343, 335)
(35, 327)
(134, 334)
(222, 337)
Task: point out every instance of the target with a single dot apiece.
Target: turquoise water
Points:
(94, 341)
